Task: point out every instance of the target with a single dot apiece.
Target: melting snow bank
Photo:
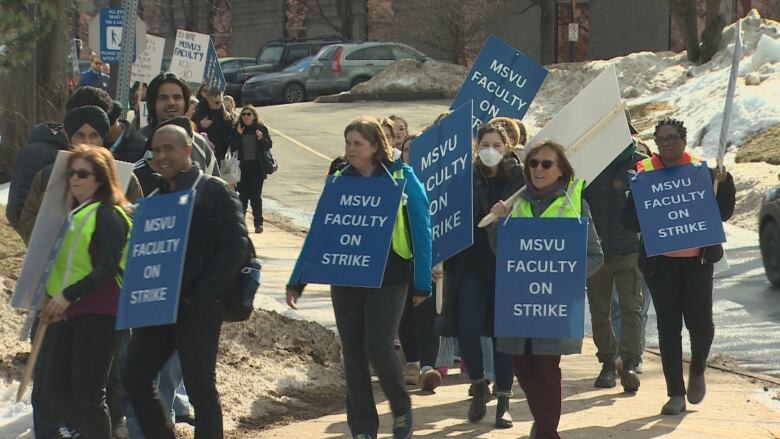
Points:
(16, 420)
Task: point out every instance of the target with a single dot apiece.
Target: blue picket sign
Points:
(502, 82)
(677, 209)
(540, 277)
(155, 261)
(442, 159)
(350, 233)
(212, 73)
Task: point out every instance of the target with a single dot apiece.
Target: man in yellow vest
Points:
(681, 282)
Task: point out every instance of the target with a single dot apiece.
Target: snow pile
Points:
(412, 76)
(15, 417)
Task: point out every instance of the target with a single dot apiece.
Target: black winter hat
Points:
(89, 115)
(116, 111)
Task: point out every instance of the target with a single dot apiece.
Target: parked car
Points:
(286, 86)
(339, 67)
(276, 55)
(769, 234)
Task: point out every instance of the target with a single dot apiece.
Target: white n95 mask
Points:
(490, 156)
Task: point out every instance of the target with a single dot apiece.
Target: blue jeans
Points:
(476, 301)
(616, 315)
(171, 387)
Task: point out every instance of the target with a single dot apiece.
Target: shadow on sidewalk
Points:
(640, 428)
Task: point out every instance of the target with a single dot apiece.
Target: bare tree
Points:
(684, 13)
(221, 24)
(451, 26)
(712, 36)
(345, 15)
(686, 16)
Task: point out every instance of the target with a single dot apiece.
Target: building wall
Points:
(627, 26)
(517, 23)
(255, 22)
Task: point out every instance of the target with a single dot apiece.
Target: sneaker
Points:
(697, 387)
(258, 229)
(606, 379)
(412, 374)
(430, 378)
(478, 408)
(503, 417)
(402, 426)
(674, 406)
(629, 378)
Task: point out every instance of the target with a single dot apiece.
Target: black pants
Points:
(367, 320)
(80, 352)
(416, 331)
(682, 289)
(250, 188)
(196, 336)
(46, 417)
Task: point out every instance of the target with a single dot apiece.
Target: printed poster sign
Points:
(442, 159)
(502, 82)
(540, 277)
(677, 209)
(350, 234)
(155, 260)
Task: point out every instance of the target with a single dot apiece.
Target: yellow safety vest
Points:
(73, 261)
(401, 241)
(560, 208)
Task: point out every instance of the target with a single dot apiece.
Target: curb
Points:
(400, 96)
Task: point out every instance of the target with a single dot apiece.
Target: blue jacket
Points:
(419, 223)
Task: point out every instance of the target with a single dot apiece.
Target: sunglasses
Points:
(546, 164)
(671, 138)
(80, 173)
(246, 114)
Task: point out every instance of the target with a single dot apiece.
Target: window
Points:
(372, 53)
(296, 53)
(401, 52)
(328, 53)
(247, 63)
(270, 55)
(229, 65)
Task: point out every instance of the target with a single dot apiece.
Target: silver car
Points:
(339, 67)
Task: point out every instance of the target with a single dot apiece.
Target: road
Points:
(308, 136)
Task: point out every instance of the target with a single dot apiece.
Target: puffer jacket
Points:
(595, 259)
(46, 139)
(131, 146)
(218, 242)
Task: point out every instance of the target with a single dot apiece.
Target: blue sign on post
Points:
(441, 159)
(677, 209)
(502, 82)
(212, 75)
(155, 261)
(111, 20)
(540, 277)
(351, 230)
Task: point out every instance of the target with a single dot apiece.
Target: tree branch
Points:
(324, 17)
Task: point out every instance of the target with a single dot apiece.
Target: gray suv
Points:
(339, 67)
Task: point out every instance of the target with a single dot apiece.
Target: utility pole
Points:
(32, 73)
(573, 31)
(130, 9)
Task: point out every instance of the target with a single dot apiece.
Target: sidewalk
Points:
(735, 407)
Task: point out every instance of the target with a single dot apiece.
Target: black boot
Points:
(629, 378)
(477, 409)
(606, 378)
(503, 417)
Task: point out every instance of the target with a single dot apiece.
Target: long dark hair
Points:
(105, 172)
(506, 164)
(154, 89)
(567, 170)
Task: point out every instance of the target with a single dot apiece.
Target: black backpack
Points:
(240, 293)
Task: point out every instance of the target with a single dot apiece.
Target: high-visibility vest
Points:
(401, 241)
(652, 163)
(568, 205)
(73, 261)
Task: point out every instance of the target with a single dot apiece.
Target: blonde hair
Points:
(104, 170)
(371, 130)
(389, 123)
(511, 128)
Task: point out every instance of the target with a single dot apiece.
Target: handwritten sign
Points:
(189, 55)
(155, 261)
(149, 63)
(351, 231)
(502, 82)
(441, 159)
(677, 209)
(540, 278)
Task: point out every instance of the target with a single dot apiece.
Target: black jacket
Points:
(132, 144)
(218, 243)
(726, 198)
(456, 265)
(219, 131)
(261, 146)
(606, 196)
(46, 139)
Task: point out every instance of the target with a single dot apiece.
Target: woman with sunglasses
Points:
(681, 282)
(83, 288)
(250, 137)
(469, 286)
(552, 191)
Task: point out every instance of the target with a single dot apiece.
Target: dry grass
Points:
(764, 147)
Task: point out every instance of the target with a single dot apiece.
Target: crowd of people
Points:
(91, 378)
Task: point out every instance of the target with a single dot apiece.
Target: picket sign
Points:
(592, 129)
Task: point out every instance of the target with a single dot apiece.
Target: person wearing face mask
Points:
(469, 287)
(552, 191)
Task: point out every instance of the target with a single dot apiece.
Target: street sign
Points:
(441, 159)
(574, 32)
(105, 34)
(155, 260)
(677, 209)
